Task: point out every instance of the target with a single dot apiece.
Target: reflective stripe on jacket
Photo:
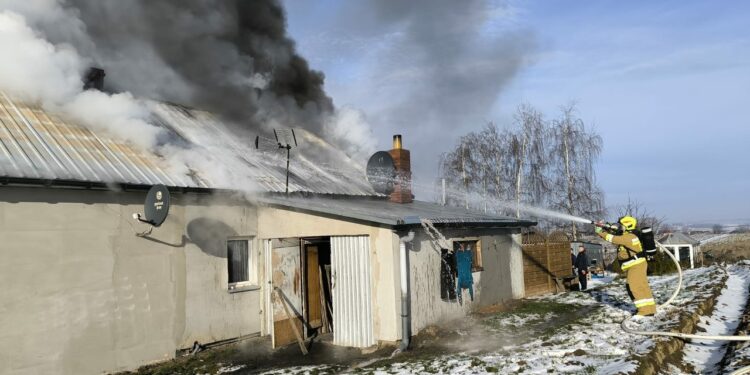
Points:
(626, 241)
(625, 265)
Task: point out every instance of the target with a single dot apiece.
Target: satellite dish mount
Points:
(285, 139)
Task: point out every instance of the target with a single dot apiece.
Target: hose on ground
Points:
(744, 370)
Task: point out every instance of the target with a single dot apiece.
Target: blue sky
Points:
(666, 84)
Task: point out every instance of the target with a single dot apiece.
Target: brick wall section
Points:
(543, 259)
(402, 187)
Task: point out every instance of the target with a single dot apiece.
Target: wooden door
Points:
(314, 316)
(286, 276)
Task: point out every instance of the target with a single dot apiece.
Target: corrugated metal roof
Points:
(677, 238)
(36, 144)
(39, 145)
(316, 166)
(384, 212)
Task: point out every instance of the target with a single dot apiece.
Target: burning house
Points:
(90, 289)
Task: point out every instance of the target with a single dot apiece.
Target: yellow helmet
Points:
(628, 222)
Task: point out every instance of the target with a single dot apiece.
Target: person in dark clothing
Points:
(582, 263)
(572, 262)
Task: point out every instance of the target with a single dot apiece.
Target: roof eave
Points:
(89, 185)
(471, 225)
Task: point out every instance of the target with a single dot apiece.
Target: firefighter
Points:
(633, 262)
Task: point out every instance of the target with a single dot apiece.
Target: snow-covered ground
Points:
(572, 333)
(740, 358)
(705, 356)
(599, 281)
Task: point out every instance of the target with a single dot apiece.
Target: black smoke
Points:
(231, 57)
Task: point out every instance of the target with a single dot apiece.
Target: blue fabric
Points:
(465, 280)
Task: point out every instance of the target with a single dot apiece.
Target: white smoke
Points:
(50, 75)
(34, 69)
(349, 126)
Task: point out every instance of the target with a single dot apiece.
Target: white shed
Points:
(685, 248)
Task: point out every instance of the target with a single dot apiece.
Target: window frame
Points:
(253, 259)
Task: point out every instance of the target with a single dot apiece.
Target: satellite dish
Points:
(156, 207)
(381, 172)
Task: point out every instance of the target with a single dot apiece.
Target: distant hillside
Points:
(729, 248)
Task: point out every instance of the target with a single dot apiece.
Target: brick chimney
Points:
(94, 79)
(402, 161)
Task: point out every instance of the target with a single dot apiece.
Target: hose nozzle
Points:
(605, 225)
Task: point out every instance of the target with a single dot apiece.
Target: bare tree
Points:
(469, 168)
(500, 170)
(574, 150)
(645, 217)
(533, 131)
(717, 229)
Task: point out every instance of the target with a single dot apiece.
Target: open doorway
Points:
(318, 304)
(320, 285)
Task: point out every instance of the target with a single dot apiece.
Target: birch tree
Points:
(534, 131)
(574, 150)
(534, 162)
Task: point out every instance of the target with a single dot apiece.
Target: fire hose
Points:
(744, 370)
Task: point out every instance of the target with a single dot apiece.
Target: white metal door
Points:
(352, 291)
(268, 287)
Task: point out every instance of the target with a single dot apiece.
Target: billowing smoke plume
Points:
(442, 66)
(455, 48)
(231, 57)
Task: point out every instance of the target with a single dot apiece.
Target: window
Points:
(475, 246)
(241, 263)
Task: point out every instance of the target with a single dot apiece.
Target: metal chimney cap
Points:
(397, 142)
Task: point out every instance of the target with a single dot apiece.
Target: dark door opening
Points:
(318, 306)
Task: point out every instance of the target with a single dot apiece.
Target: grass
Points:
(736, 247)
(544, 307)
(208, 362)
(536, 313)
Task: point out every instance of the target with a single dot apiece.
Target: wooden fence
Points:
(544, 259)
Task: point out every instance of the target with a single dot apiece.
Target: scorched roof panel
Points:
(36, 144)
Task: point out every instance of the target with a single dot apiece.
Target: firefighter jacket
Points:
(629, 250)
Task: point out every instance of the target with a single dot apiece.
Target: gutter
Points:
(416, 222)
(88, 185)
(405, 301)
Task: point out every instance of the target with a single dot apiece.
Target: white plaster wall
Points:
(518, 289)
(212, 313)
(499, 281)
(82, 294)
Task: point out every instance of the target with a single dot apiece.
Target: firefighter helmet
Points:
(628, 222)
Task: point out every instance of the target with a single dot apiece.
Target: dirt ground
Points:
(574, 332)
(483, 332)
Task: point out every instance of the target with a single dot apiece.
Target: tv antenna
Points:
(285, 139)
